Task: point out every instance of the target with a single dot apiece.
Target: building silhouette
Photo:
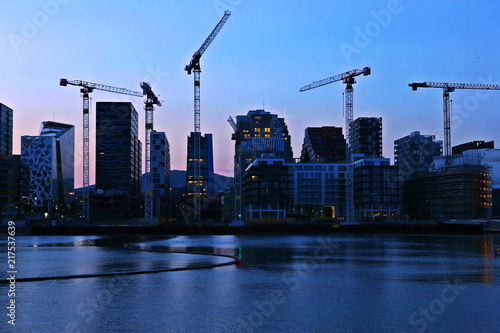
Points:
(319, 189)
(206, 165)
(489, 158)
(263, 133)
(274, 189)
(118, 148)
(6, 125)
(376, 189)
(14, 185)
(51, 159)
(367, 136)
(267, 190)
(160, 163)
(160, 171)
(415, 152)
(456, 192)
(459, 149)
(323, 145)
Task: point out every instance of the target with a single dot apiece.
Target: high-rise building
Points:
(323, 145)
(118, 148)
(272, 188)
(376, 189)
(206, 165)
(160, 163)
(267, 189)
(367, 136)
(6, 124)
(415, 152)
(14, 184)
(51, 158)
(261, 133)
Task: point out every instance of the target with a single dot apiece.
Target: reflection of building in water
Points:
(487, 248)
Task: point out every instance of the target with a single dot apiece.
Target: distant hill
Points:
(178, 178)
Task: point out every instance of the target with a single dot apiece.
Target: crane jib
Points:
(480, 86)
(349, 74)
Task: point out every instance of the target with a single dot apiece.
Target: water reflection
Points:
(325, 283)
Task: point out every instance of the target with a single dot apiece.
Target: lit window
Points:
(256, 130)
(267, 130)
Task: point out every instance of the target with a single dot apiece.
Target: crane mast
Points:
(151, 100)
(194, 66)
(237, 169)
(348, 80)
(447, 89)
(86, 89)
(86, 108)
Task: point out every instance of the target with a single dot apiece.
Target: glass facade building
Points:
(118, 148)
(51, 158)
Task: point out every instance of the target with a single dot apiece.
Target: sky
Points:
(266, 51)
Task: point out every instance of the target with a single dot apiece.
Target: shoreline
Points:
(262, 229)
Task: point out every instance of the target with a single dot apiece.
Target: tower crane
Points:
(447, 89)
(151, 100)
(194, 66)
(348, 79)
(237, 169)
(85, 90)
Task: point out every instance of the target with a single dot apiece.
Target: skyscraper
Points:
(15, 187)
(51, 158)
(160, 163)
(367, 136)
(263, 133)
(118, 148)
(206, 165)
(323, 145)
(6, 124)
(415, 152)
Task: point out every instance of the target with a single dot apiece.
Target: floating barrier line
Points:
(235, 260)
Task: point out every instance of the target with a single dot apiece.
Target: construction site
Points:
(462, 192)
(452, 192)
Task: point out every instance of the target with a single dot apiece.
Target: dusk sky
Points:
(264, 54)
